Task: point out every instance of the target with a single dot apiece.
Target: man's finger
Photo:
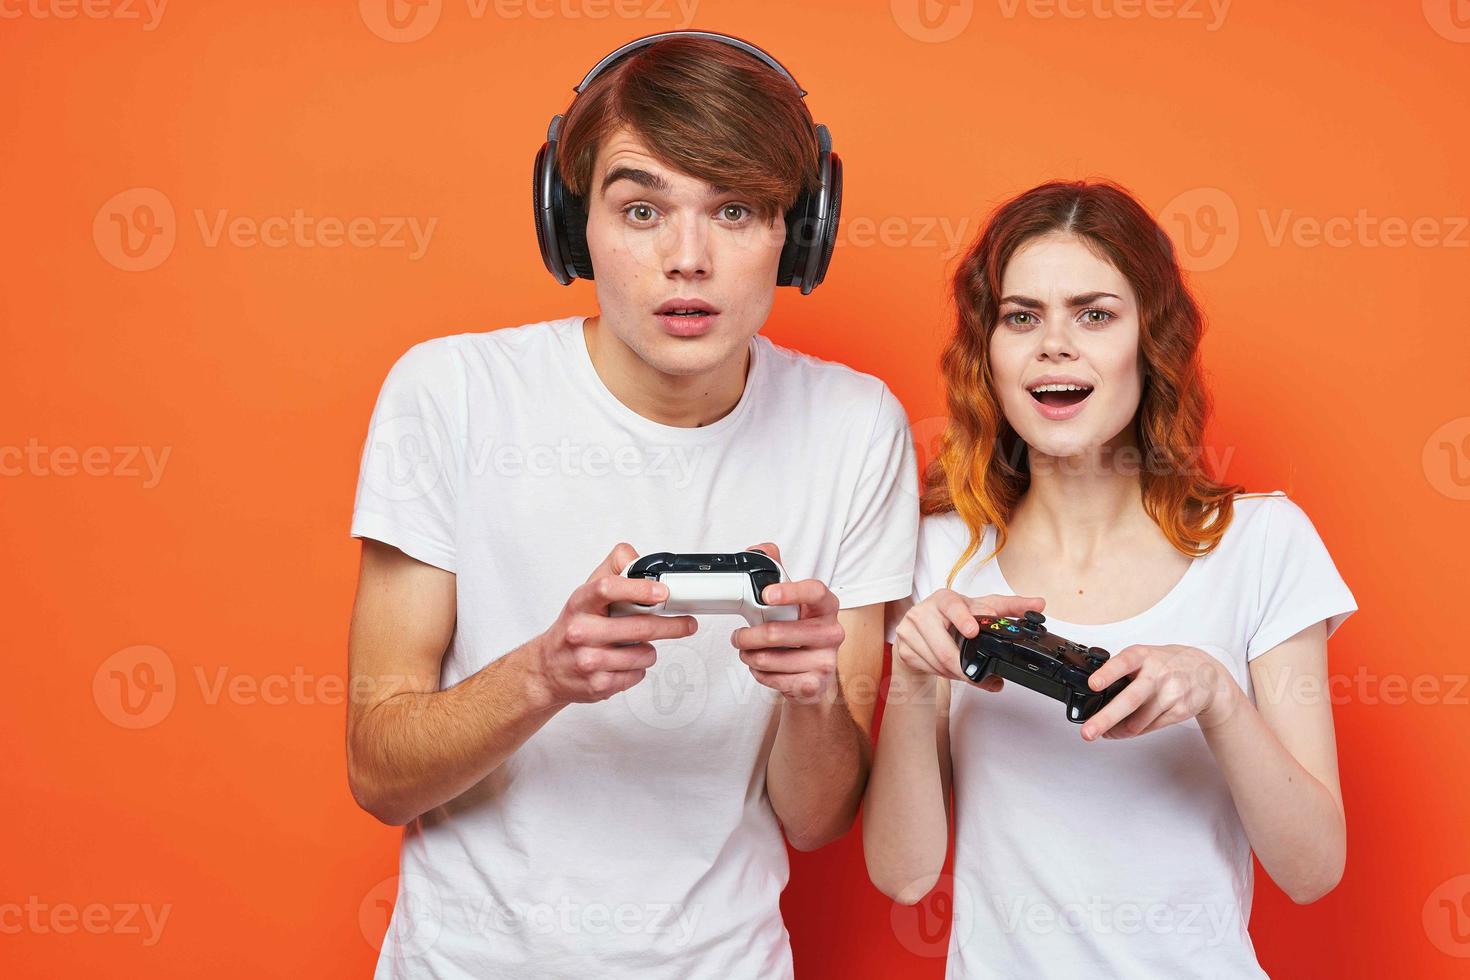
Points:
(769, 549)
(601, 592)
(807, 592)
(643, 628)
(618, 559)
(784, 661)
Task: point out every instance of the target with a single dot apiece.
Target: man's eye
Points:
(640, 213)
(734, 212)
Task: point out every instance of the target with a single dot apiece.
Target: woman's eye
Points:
(641, 213)
(1021, 319)
(734, 212)
(1096, 316)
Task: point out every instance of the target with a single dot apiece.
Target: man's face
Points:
(661, 240)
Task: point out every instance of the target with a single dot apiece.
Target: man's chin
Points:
(689, 355)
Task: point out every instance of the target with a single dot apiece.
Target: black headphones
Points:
(811, 224)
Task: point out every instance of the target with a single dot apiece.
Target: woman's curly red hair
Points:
(982, 469)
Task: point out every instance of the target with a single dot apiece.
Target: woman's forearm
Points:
(1294, 822)
(905, 819)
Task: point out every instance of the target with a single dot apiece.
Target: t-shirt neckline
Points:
(600, 392)
(1167, 599)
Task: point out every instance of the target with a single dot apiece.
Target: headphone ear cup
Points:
(811, 228)
(829, 227)
(572, 212)
(543, 204)
(798, 234)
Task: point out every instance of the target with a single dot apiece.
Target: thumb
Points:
(767, 548)
(622, 555)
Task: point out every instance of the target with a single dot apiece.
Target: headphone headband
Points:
(643, 42)
(811, 222)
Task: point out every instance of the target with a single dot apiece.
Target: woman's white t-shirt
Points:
(1118, 858)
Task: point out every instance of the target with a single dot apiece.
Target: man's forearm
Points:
(417, 750)
(817, 771)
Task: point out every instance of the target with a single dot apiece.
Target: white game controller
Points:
(714, 584)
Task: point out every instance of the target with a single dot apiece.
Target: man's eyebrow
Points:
(642, 178)
(1082, 299)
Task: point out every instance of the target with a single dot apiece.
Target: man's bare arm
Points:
(412, 747)
(819, 764)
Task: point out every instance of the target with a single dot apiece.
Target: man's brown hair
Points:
(706, 109)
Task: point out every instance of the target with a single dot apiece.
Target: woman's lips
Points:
(686, 326)
(1059, 413)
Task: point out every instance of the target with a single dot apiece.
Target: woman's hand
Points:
(923, 642)
(1170, 684)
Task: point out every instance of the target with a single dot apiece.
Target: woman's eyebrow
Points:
(1081, 299)
(1084, 298)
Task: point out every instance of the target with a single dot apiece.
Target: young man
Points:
(590, 795)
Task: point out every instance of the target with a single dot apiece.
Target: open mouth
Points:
(1060, 395)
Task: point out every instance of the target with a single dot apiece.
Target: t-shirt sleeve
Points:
(410, 462)
(1299, 584)
(923, 582)
(875, 561)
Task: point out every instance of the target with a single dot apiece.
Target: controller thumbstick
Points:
(1097, 656)
(1034, 618)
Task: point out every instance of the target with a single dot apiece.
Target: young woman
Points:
(1070, 481)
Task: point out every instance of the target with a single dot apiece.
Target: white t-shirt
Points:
(1118, 858)
(633, 837)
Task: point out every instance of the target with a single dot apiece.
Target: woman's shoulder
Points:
(947, 527)
(1264, 520)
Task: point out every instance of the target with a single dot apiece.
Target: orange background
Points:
(1340, 373)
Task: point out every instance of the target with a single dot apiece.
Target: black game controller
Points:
(1022, 650)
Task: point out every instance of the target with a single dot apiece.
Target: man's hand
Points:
(799, 658)
(588, 655)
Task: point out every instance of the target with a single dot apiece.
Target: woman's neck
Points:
(1079, 507)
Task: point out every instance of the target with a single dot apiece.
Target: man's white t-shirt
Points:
(1117, 858)
(633, 837)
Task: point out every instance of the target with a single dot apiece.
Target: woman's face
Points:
(1064, 354)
